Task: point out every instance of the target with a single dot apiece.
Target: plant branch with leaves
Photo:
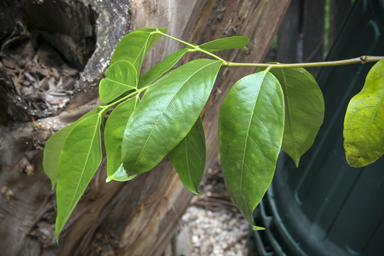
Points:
(158, 114)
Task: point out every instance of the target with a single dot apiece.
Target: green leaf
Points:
(54, 145)
(120, 78)
(364, 121)
(120, 175)
(250, 135)
(80, 157)
(304, 110)
(114, 131)
(161, 68)
(167, 112)
(226, 44)
(134, 46)
(189, 157)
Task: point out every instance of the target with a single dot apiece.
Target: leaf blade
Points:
(120, 175)
(166, 114)
(54, 145)
(363, 123)
(161, 68)
(226, 43)
(81, 156)
(134, 46)
(120, 78)
(304, 110)
(189, 157)
(250, 134)
(114, 131)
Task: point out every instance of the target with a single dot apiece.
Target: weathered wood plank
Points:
(137, 217)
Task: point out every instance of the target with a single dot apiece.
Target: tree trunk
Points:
(132, 218)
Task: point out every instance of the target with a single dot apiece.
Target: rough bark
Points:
(137, 217)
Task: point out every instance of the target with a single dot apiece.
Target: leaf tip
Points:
(108, 179)
(257, 228)
(297, 160)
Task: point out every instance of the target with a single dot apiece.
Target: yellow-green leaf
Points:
(364, 121)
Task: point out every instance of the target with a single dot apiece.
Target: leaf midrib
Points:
(82, 173)
(288, 111)
(145, 144)
(120, 83)
(371, 121)
(246, 138)
(186, 158)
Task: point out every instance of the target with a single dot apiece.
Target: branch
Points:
(359, 60)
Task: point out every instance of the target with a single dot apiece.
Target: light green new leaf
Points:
(251, 128)
(120, 78)
(134, 46)
(80, 157)
(114, 131)
(161, 68)
(226, 44)
(166, 114)
(120, 175)
(304, 109)
(364, 121)
(55, 143)
(189, 157)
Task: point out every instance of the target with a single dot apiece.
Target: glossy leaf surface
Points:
(54, 145)
(167, 112)
(161, 68)
(134, 46)
(226, 44)
(80, 157)
(120, 175)
(114, 131)
(189, 157)
(251, 128)
(120, 78)
(304, 110)
(364, 121)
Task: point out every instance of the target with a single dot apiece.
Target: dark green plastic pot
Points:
(325, 207)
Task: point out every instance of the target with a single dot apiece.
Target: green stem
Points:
(107, 107)
(195, 47)
(363, 59)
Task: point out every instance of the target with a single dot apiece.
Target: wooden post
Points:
(137, 217)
